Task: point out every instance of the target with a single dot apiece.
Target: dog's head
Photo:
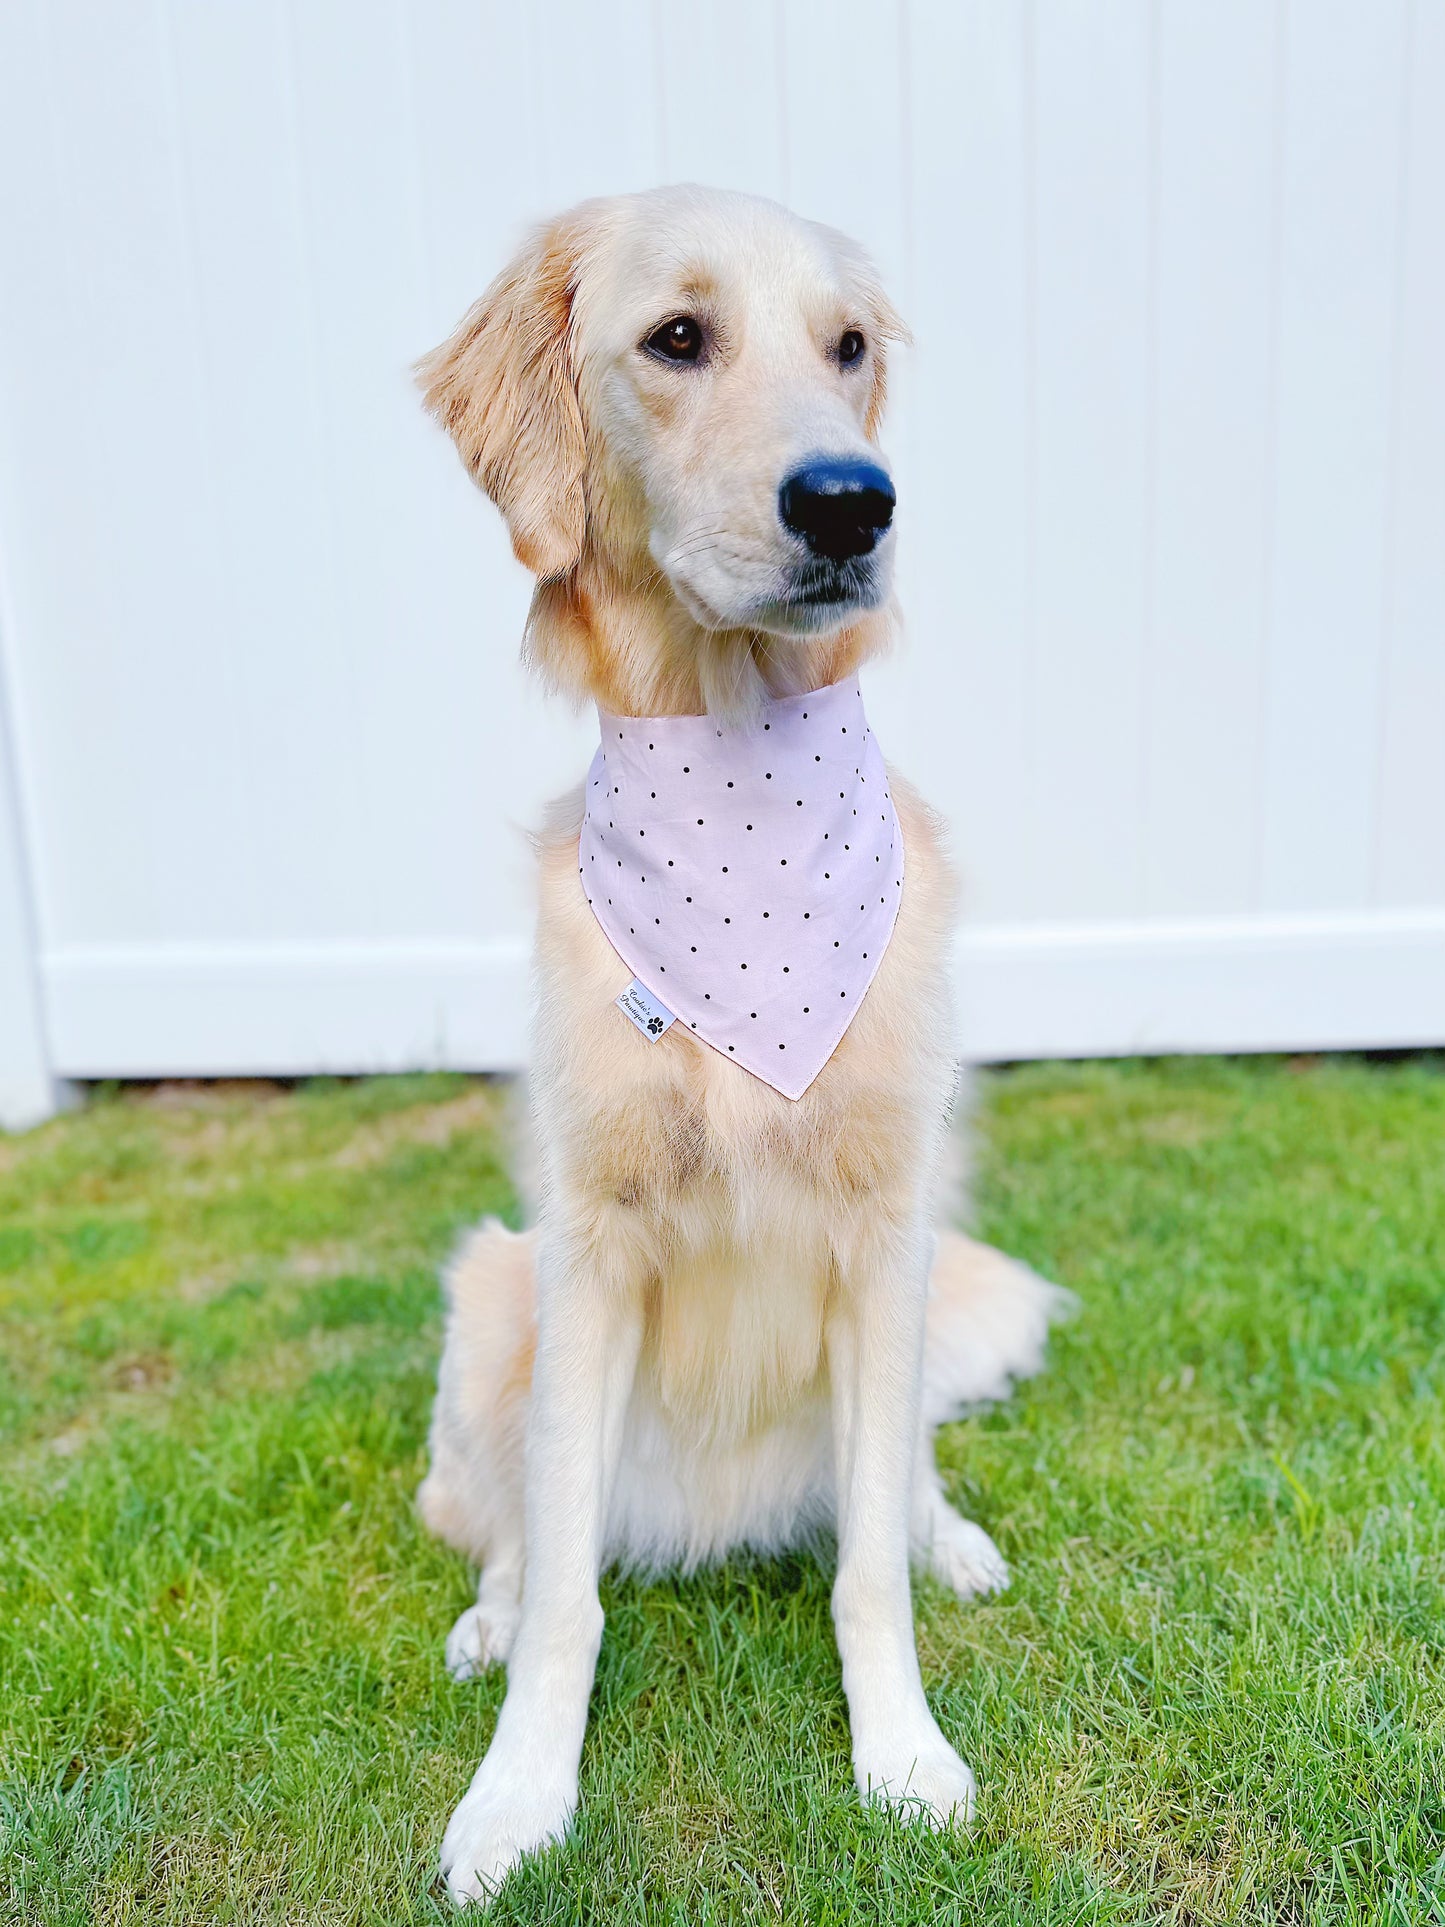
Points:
(685, 385)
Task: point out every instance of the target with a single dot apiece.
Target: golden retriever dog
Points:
(734, 1322)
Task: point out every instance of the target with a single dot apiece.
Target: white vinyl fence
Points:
(1171, 455)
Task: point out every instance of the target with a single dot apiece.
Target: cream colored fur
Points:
(684, 1498)
(733, 1324)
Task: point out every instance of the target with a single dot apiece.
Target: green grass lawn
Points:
(1215, 1691)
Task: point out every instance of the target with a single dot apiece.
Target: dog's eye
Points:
(850, 348)
(677, 340)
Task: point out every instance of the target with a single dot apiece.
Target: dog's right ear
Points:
(503, 389)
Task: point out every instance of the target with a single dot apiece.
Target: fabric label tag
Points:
(650, 1017)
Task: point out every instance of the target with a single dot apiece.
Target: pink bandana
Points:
(750, 877)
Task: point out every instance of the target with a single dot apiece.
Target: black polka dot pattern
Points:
(751, 927)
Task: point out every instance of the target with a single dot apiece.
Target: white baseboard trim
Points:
(1349, 982)
(287, 1009)
(1367, 980)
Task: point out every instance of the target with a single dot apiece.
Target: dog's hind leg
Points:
(942, 1542)
(472, 1495)
(987, 1322)
(483, 1634)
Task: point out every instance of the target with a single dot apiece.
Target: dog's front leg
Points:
(524, 1793)
(874, 1340)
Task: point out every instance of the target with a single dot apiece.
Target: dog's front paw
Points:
(964, 1558)
(499, 1820)
(477, 1641)
(922, 1779)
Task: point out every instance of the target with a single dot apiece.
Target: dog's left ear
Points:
(888, 327)
(882, 321)
(503, 388)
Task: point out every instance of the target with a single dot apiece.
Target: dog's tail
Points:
(988, 1324)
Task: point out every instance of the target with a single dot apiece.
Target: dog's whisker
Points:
(696, 545)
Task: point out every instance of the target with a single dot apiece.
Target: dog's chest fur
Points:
(739, 1205)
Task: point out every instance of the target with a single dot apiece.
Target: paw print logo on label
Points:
(648, 1013)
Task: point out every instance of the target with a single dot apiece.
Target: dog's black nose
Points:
(840, 508)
